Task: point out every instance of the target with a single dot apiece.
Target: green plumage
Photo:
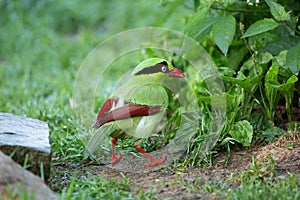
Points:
(142, 89)
(151, 94)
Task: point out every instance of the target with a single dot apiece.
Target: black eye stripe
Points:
(154, 69)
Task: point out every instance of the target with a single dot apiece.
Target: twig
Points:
(240, 10)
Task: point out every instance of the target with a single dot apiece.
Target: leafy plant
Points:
(256, 47)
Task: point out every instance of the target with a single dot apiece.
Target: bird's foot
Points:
(156, 162)
(115, 159)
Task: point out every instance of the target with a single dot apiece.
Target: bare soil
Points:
(184, 185)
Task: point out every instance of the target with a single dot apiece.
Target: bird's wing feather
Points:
(108, 104)
(127, 111)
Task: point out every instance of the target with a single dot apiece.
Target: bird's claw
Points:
(156, 162)
(115, 159)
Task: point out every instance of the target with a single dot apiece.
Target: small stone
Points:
(75, 165)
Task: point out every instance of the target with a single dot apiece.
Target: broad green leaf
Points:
(227, 3)
(260, 26)
(293, 59)
(274, 90)
(165, 15)
(271, 79)
(204, 3)
(248, 77)
(272, 74)
(242, 131)
(263, 58)
(194, 21)
(199, 23)
(270, 134)
(236, 57)
(257, 42)
(227, 140)
(235, 97)
(225, 71)
(277, 10)
(250, 85)
(282, 39)
(292, 80)
(287, 89)
(223, 32)
(280, 59)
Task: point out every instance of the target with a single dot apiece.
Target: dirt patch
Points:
(185, 185)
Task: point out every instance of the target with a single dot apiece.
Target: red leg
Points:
(114, 158)
(154, 161)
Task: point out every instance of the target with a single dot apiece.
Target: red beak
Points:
(176, 73)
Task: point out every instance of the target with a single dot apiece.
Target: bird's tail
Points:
(96, 144)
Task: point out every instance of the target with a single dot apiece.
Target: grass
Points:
(41, 48)
(271, 188)
(96, 188)
(22, 193)
(261, 181)
(255, 188)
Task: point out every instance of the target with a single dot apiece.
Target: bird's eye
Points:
(163, 68)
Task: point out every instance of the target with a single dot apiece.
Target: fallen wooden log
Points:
(26, 140)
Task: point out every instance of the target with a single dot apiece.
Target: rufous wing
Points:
(126, 111)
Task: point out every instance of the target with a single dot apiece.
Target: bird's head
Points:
(157, 68)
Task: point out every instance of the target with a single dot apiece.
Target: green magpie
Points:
(137, 108)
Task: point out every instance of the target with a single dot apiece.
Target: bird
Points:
(137, 108)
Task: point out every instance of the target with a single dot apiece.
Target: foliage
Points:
(256, 48)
